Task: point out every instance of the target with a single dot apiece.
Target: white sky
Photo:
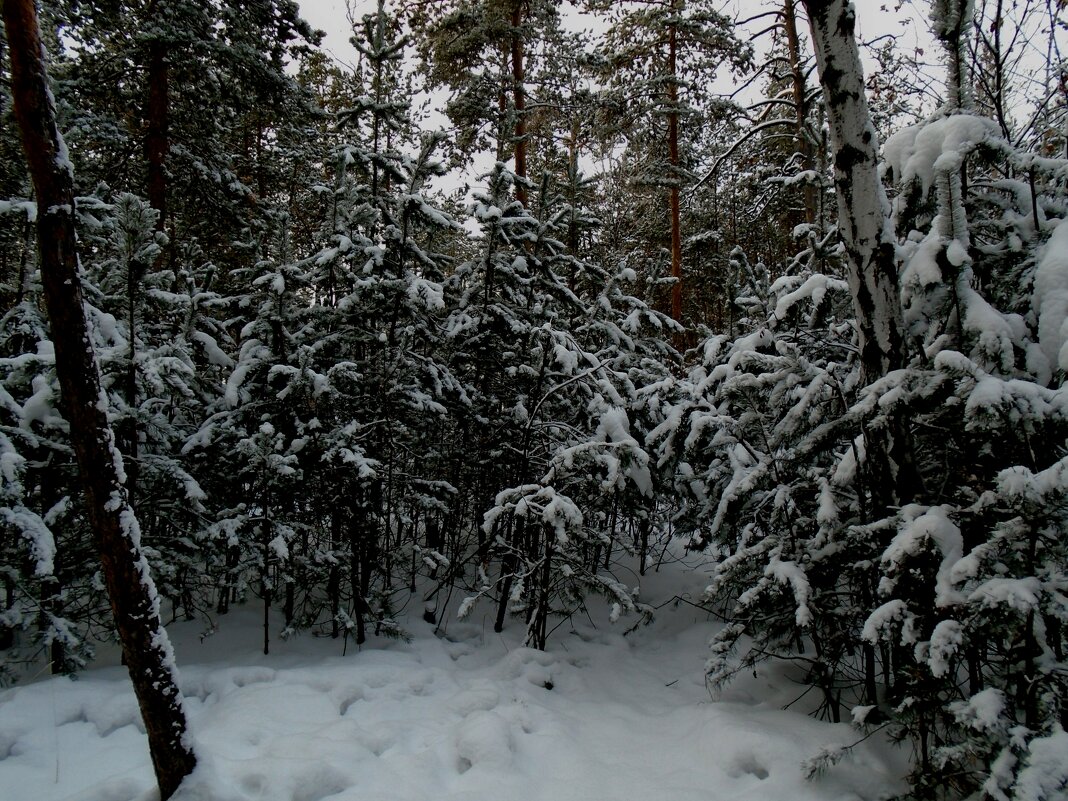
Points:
(905, 20)
(329, 16)
(908, 23)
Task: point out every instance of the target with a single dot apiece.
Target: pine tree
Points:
(490, 104)
(114, 525)
(658, 54)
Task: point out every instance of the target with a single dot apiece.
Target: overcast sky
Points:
(909, 24)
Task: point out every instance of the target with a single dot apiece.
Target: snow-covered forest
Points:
(524, 367)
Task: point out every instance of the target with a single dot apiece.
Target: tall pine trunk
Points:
(676, 173)
(519, 96)
(800, 93)
(116, 535)
(156, 146)
(157, 134)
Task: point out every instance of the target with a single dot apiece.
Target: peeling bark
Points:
(863, 209)
(867, 233)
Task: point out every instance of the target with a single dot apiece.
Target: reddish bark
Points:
(519, 97)
(130, 590)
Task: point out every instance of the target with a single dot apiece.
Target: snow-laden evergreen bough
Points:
(940, 617)
(65, 613)
(554, 367)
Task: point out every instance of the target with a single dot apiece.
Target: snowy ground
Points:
(470, 715)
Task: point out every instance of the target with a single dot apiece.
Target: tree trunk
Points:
(863, 210)
(157, 141)
(266, 584)
(357, 569)
(538, 633)
(573, 188)
(867, 233)
(673, 159)
(128, 429)
(519, 96)
(509, 565)
(7, 633)
(116, 535)
(156, 146)
(376, 132)
(800, 91)
(333, 584)
(502, 107)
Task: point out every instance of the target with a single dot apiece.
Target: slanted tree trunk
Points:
(863, 210)
(116, 535)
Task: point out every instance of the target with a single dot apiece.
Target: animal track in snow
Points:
(746, 764)
(347, 703)
(319, 784)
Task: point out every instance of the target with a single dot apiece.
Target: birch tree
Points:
(863, 209)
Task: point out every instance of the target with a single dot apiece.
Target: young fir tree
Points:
(338, 382)
(552, 377)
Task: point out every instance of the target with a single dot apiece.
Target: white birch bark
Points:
(863, 209)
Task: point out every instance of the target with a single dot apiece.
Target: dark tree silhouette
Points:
(115, 530)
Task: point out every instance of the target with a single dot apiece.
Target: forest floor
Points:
(461, 714)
